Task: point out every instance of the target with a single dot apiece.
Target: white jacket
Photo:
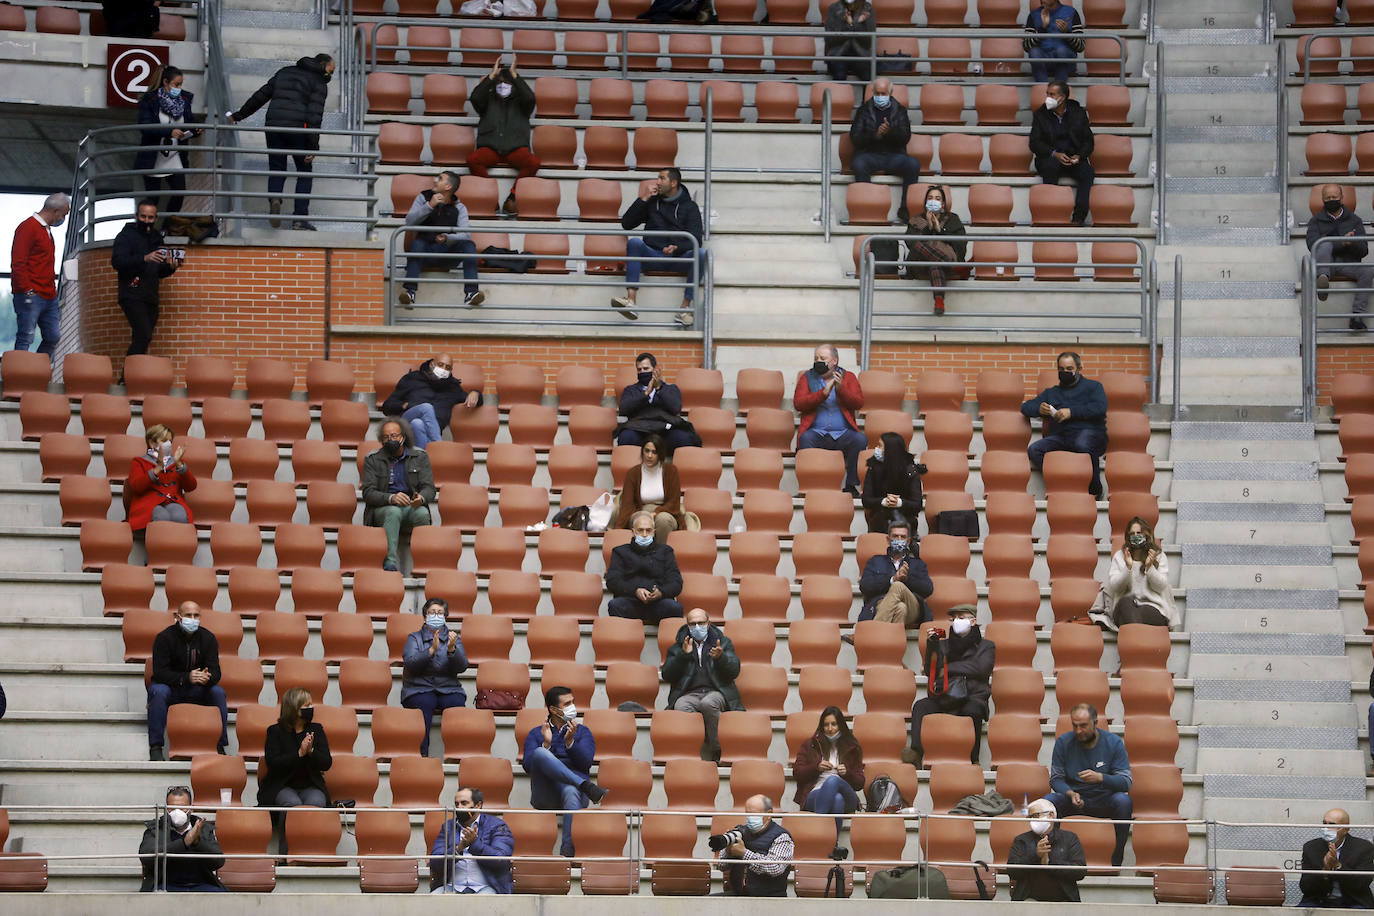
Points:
(1150, 587)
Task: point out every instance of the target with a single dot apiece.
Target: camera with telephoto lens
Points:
(719, 841)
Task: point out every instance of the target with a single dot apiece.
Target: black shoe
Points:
(389, 567)
(1357, 324)
(1095, 488)
(301, 225)
(406, 297)
(474, 299)
(593, 792)
(852, 491)
(1323, 282)
(155, 752)
(566, 850)
(222, 750)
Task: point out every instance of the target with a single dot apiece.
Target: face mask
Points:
(882, 101)
(1051, 103)
(820, 368)
(308, 715)
(178, 817)
(698, 631)
(464, 817)
(1332, 206)
(833, 738)
(189, 625)
(174, 91)
(165, 448)
(645, 377)
(569, 713)
(935, 206)
(440, 374)
(328, 77)
(644, 540)
(503, 90)
(1136, 540)
(1041, 826)
(878, 453)
(435, 621)
(1067, 377)
(754, 823)
(961, 625)
(146, 228)
(1329, 834)
(394, 447)
(897, 545)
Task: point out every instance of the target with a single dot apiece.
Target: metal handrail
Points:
(1267, 23)
(826, 167)
(1178, 336)
(1161, 186)
(1310, 56)
(708, 115)
(1281, 141)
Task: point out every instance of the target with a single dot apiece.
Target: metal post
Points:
(1153, 280)
(1281, 139)
(1160, 191)
(1178, 333)
(825, 163)
(708, 313)
(866, 271)
(1307, 308)
(707, 113)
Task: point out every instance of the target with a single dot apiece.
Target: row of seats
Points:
(1330, 154)
(1321, 13)
(1327, 55)
(60, 20)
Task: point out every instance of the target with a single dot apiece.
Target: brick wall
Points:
(1333, 359)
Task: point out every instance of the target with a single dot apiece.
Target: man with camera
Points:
(959, 676)
(895, 584)
(141, 261)
(827, 397)
(758, 852)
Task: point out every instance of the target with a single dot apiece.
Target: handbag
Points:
(961, 523)
(907, 882)
(599, 513)
(574, 518)
(500, 700)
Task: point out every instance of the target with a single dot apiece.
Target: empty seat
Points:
(25, 371)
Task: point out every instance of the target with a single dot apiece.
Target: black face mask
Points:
(820, 368)
(464, 817)
(1332, 206)
(645, 377)
(1067, 377)
(394, 447)
(145, 228)
(307, 715)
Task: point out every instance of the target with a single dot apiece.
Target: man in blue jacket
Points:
(558, 757)
(1054, 32)
(895, 584)
(668, 207)
(453, 865)
(1076, 409)
(1090, 774)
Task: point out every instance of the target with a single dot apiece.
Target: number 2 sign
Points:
(131, 71)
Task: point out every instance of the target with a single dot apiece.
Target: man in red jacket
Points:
(827, 397)
(33, 273)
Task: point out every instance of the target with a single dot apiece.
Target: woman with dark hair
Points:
(433, 658)
(829, 770)
(892, 485)
(164, 111)
(296, 755)
(935, 218)
(1137, 588)
(654, 487)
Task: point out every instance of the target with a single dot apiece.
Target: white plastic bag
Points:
(519, 7)
(599, 513)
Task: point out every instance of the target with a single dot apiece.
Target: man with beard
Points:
(141, 261)
(472, 832)
(1090, 774)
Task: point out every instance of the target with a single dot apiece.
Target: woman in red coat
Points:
(158, 481)
(829, 770)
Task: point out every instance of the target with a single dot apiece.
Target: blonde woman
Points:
(296, 754)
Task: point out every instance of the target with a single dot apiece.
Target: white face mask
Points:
(178, 817)
(882, 101)
(961, 625)
(165, 448)
(1041, 825)
(935, 206)
(1329, 834)
(504, 90)
(440, 373)
(1051, 103)
(189, 625)
(435, 621)
(569, 713)
(878, 453)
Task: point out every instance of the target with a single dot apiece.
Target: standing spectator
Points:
(936, 219)
(761, 838)
(398, 487)
(471, 832)
(425, 398)
(892, 486)
(141, 262)
(651, 405)
(958, 677)
(1341, 260)
(653, 487)
(33, 275)
(666, 207)
(558, 757)
(1090, 774)
(1076, 411)
(440, 207)
(1045, 843)
(827, 396)
(158, 482)
(895, 584)
(1054, 32)
(1061, 139)
(849, 27)
(433, 658)
(504, 103)
(166, 109)
(829, 770)
(297, 95)
(643, 577)
(296, 753)
(185, 670)
(880, 131)
(1137, 586)
(130, 18)
(1332, 852)
(173, 835)
(700, 670)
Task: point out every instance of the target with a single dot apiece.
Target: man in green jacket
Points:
(398, 486)
(504, 104)
(701, 668)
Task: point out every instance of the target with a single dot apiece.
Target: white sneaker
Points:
(625, 305)
(685, 320)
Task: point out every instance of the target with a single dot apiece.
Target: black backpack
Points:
(574, 518)
(884, 797)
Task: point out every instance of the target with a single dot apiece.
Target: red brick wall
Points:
(1333, 359)
(1030, 359)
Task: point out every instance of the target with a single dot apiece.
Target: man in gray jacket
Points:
(440, 208)
(1341, 260)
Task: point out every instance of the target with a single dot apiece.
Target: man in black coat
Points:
(1046, 843)
(425, 398)
(643, 577)
(880, 131)
(180, 833)
(141, 261)
(1327, 858)
(959, 677)
(1340, 259)
(652, 406)
(668, 207)
(185, 670)
(297, 95)
(1061, 140)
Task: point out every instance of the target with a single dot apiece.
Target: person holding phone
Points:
(158, 482)
(895, 584)
(827, 397)
(142, 261)
(892, 486)
(504, 103)
(165, 114)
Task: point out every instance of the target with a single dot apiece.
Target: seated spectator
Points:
(158, 482)
(667, 208)
(173, 835)
(829, 771)
(643, 577)
(827, 396)
(166, 110)
(892, 486)
(130, 18)
(849, 28)
(1326, 862)
(185, 670)
(425, 398)
(1061, 139)
(1045, 843)
(894, 585)
(880, 131)
(1090, 774)
(558, 757)
(471, 832)
(1063, 30)
(433, 658)
(1137, 588)
(958, 671)
(938, 219)
(1076, 411)
(440, 207)
(504, 103)
(700, 671)
(761, 838)
(296, 754)
(1341, 260)
(652, 406)
(703, 11)
(653, 487)
(398, 487)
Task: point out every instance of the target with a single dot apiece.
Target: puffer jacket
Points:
(296, 94)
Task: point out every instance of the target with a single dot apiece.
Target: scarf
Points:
(174, 108)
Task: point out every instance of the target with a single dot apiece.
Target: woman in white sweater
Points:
(1137, 588)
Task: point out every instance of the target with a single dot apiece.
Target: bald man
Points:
(1045, 843)
(185, 670)
(1340, 260)
(880, 131)
(425, 398)
(761, 837)
(1328, 863)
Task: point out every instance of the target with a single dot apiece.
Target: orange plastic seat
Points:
(1014, 739)
(629, 682)
(766, 510)
(744, 735)
(1017, 691)
(41, 412)
(868, 204)
(772, 428)
(751, 552)
(754, 640)
(890, 688)
(192, 730)
(62, 454)
(23, 371)
(695, 552)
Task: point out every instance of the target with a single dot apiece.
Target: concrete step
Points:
(1284, 667)
(1196, 58)
(1288, 535)
(1280, 761)
(1237, 620)
(1220, 109)
(1204, 576)
(1275, 714)
(1238, 159)
(1234, 265)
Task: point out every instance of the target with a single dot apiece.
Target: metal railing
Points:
(1177, 337)
(1310, 57)
(1319, 262)
(827, 168)
(1281, 142)
(1161, 185)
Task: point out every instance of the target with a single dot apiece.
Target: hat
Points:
(957, 609)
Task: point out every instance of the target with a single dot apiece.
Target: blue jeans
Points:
(832, 795)
(1052, 49)
(674, 440)
(295, 798)
(851, 442)
(429, 701)
(1115, 805)
(305, 180)
(907, 167)
(554, 787)
(31, 309)
(196, 889)
(638, 248)
(1091, 440)
(426, 244)
(424, 425)
(160, 696)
